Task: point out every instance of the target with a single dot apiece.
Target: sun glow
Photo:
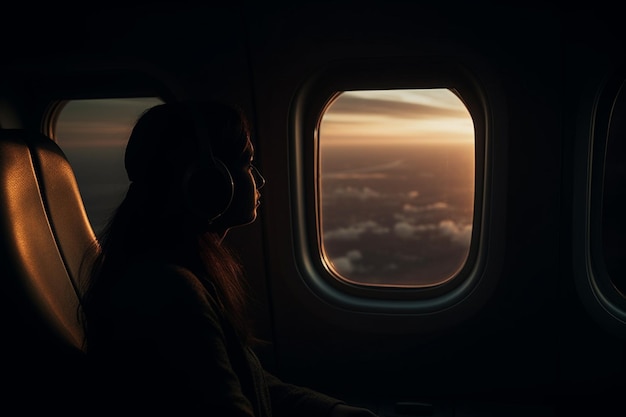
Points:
(397, 117)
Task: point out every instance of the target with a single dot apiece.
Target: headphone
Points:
(208, 185)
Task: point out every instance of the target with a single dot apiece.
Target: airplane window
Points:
(614, 196)
(598, 212)
(93, 135)
(396, 173)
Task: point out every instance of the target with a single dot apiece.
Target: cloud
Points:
(364, 193)
(457, 233)
(356, 176)
(354, 232)
(367, 172)
(440, 205)
(403, 229)
(460, 234)
(406, 230)
(344, 265)
(410, 208)
(354, 255)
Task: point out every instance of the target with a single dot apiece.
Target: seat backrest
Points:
(44, 232)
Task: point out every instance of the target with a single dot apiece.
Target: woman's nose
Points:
(258, 178)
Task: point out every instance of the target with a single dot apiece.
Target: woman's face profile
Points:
(247, 182)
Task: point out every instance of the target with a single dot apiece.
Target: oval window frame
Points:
(477, 276)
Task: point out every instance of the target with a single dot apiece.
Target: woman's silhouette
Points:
(165, 309)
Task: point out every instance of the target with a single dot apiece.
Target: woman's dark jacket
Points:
(162, 347)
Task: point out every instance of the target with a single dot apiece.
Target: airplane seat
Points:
(44, 233)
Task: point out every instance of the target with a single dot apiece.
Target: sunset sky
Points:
(396, 116)
(105, 122)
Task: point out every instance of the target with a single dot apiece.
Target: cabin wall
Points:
(541, 68)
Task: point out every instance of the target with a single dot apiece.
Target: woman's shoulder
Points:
(154, 282)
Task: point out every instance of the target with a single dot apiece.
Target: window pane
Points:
(396, 200)
(614, 196)
(93, 135)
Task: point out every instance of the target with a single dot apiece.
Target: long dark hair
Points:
(153, 222)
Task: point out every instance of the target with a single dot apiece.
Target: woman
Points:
(164, 313)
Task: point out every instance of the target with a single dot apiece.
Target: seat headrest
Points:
(44, 229)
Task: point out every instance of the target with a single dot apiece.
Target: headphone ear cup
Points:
(209, 190)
